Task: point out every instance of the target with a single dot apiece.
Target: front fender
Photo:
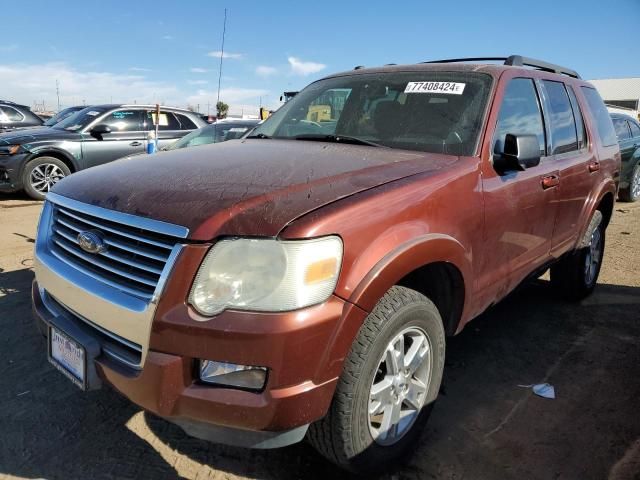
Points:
(44, 150)
(404, 259)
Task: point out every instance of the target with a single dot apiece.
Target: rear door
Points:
(169, 129)
(520, 206)
(572, 156)
(127, 137)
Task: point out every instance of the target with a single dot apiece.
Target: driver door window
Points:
(520, 114)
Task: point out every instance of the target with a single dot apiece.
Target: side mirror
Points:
(519, 152)
(100, 129)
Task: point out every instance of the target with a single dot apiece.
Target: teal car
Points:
(628, 132)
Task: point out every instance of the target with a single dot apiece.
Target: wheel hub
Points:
(399, 388)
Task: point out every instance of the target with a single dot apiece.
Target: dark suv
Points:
(35, 159)
(628, 132)
(304, 282)
(14, 115)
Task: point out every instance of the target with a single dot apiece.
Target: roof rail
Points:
(516, 61)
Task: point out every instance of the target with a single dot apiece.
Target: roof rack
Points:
(516, 61)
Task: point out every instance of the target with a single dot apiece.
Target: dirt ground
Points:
(483, 427)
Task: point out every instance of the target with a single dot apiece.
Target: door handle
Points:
(135, 144)
(594, 166)
(550, 181)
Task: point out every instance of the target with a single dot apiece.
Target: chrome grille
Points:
(133, 260)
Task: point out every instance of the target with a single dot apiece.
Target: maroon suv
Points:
(302, 281)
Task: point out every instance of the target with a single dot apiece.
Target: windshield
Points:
(61, 115)
(80, 120)
(430, 111)
(214, 133)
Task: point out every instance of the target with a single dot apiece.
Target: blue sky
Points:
(147, 51)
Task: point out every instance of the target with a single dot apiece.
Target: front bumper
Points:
(11, 167)
(300, 383)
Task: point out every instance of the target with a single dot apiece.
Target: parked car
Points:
(62, 114)
(14, 115)
(34, 160)
(220, 131)
(628, 133)
(304, 283)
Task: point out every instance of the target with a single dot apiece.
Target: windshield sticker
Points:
(238, 129)
(92, 113)
(451, 88)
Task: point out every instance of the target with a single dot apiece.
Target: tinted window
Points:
(167, 121)
(80, 120)
(520, 113)
(622, 130)
(635, 129)
(215, 133)
(577, 114)
(185, 122)
(8, 114)
(601, 116)
(123, 120)
(439, 112)
(563, 127)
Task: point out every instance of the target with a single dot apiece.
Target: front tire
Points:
(389, 384)
(576, 275)
(41, 174)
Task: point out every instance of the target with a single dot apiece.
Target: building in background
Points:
(621, 95)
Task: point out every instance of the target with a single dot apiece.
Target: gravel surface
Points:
(483, 427)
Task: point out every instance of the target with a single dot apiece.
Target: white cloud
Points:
(198, 70)
(218, 54)
(299, 67)
(25, 83)
(139, 69)
(28, 82)
(167, 37)
(265, 71)
(8, 48)
(197, 82)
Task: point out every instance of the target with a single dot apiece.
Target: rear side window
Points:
(622, 130)
(167, 121)
(577, 114)
(185, 122)
(9, 114)
(520, 113)
(123, 120)
(635, 129)
(563, 126)
(601, 116)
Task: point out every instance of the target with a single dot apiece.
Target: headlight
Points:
(9, 149)
(266, 275)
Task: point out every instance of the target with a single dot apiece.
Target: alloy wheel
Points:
(635, 183)
(45, 176)
(593, 257)
(400, 386)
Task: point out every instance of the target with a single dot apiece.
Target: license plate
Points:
(68, 356)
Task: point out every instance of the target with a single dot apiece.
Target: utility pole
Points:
(58, 93)
(224, 31)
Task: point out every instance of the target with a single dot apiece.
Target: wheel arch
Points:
(435, 265)
(61, 155)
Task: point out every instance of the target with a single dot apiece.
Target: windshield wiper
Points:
(317, 137)
(259, 135)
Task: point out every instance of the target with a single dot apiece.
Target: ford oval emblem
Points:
(91, 242)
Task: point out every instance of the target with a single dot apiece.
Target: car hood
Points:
(247, 187)
(25, 136)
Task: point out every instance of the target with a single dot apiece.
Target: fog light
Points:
(232, 375)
